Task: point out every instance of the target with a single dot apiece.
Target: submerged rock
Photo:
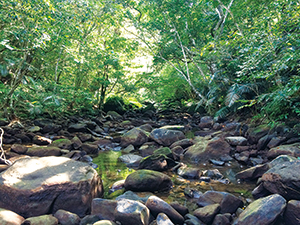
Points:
(37, 186)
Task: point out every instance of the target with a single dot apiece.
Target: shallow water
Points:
(112, 170)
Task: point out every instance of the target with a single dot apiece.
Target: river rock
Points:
(130, 159)
(263, 211)
(78, 127)
(148, 180)
(36, 186)
(62, 143)
(184, 143)
(189, 172)
(253, 172)
(207, 213)
(291, 215)
(180, 208)
(154, 162)
(40, 140)
(135, 137)
(133, 196)
(192, 220)
(104, 208)
(283, 179)
(205, 149)
(105, 222)
(41, 151)
(20, 149)
(163, 219)
(8, 217)
(90, 148)
(130, 212)
(156, 205)
(148, 148)
(41, 220)
(237, 140)
(206, 122)
(228, 202)
(222, 219)
(256, 133)
(166, 137)
(282, 159)
(66, 218)
(291, 150)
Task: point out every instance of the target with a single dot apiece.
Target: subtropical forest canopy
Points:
(221, 57)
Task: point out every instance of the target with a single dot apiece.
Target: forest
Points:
(217, 57)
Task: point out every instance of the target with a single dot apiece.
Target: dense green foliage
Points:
(227, 56)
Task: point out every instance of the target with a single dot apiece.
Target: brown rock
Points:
(43, 151)
(207, 213)
(20, 149)
(41, 220)
(8, 217)
(66, 218)
(291, 215)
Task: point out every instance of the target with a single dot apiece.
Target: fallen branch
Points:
(2, 157)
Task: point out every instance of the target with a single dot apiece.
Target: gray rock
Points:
(206, 122)
(282, 159)
(132, 196)
(291, 150)
(135, 137)
(89, 219)
(37, 186)
(90, 148)
(104, 208)
(163, 219)
(184, 143)
(41, 220)
(192, 220)
(154, 162)
(207, 213)
(147, 180)
(130, 212)
(8, 217)
(156, 205)
(189, 172)
(291, 214)
(66, 218)
(130, 158)
(222, 219)
(263, 211)
(105, 222)
(79, 127)
(237, 140)
(20, 149)
(166, 137)
(253, 172)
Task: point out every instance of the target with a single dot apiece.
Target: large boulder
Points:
(36, 186)
(135, 137)
(166, 137)
(148, 180)
(283, 179)
(205, 149)
(263, 211)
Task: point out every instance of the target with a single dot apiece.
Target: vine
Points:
(2, 157)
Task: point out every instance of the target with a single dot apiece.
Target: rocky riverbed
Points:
(171, 168)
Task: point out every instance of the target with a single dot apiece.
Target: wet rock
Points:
(228, 202)
(51, 183)
(253, 172)
(184, 143)
(133, 196)
(41, 220)
(156, 205)
(147, 180)
(205, 149)
(132, 212)
(207, 213)
(217, 162)
(237, 140)
(291, 215)
(63, 144)
(283, 179)
(51, 128)
(291, 150)
(135, 137)
(23, 137)
(242, 148)
(154, 162)
(8, 217)
(163, 219)
(66, 218)
(20, 149)
(166, 137)
(263, 211)
(78, 127)
(104, 208)
(43, 151)
(213, 174)
(39, 140)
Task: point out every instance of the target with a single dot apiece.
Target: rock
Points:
(275, 141)
(184, 143)
(3, 167)
(20, 149)
(263, 211)
(291, 215)
(34, 129)
(253, 172)
(283, 179)
(51, 128)
(147, 180)
(132, 196)
(242, 157)
(242, 148)
(206, 122)
(130, 212)
(105, 222)
(78, 127)
(66, 218)
(114, 115)
(43, 151)
(118, 185)
(256, 133)
(228, 202)
(213, 174)
(36, 186)
(237, 140)
(189, 172)
(156, 205)
(135, 137)
(148, 148)
(180, 208)
(8, 217)
(85, 137)
(178, 152)
(291, 150)
(260, 192)
(163, 219)
(128, 149)
(264, 141)
(39, 140)
(222, 219)
(90, 148)
(205, 149)
(104, 208)
(282, 159)
(146, 127)
(130, 159)
(207, 213)
(89, 219)
(63, 144)
(154, 162)
(41, 220)
(217, 162)
(166, 137)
